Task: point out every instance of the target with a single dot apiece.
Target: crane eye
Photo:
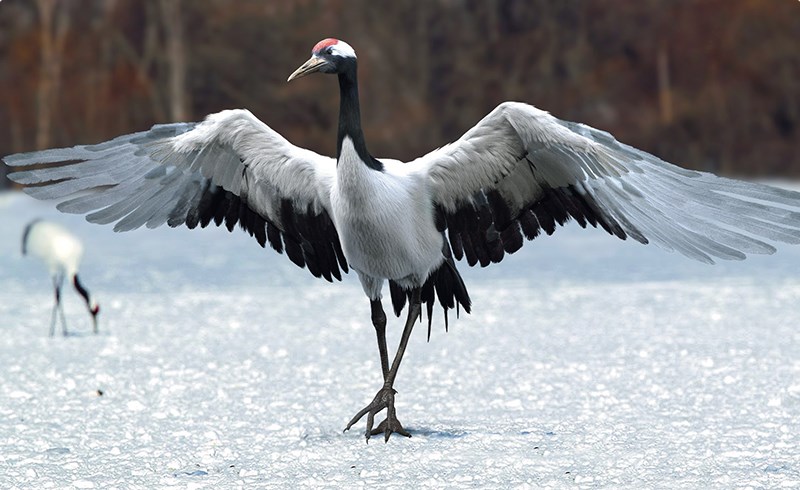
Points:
(329, 50)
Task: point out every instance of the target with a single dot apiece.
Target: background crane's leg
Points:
(61, 306)
(385, 396)
(58, 281)
(379, 322)
(55, 307)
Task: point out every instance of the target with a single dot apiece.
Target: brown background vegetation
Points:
(709, 84)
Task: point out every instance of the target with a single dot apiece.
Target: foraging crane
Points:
(518, 172)
(61, 251)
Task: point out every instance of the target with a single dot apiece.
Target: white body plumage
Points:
(55, 246)
(397, 240)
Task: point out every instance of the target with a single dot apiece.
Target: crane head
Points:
(328, 56)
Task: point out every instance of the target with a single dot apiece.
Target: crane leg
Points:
(55, 312)
(385, 396)
(57, 307)
(379, 322)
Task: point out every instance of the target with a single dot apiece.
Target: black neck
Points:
(350, 116)
(80, 288)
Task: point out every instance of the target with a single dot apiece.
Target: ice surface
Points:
(588, 362)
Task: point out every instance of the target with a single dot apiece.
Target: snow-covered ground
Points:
(588, 362)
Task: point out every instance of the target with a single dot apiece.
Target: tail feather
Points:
(444, 283)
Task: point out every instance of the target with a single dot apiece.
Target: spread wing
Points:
(520, 171)
(230, 168)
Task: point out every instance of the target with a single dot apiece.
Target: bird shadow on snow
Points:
(456, 433)
(442, 433)
(416, 432)
(439, 433)
(80, 334)
(77, 335)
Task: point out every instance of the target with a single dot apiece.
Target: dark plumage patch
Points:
(309, 240)
(484, 229)
(444, 284)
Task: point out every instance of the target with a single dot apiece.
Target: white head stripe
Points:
(343, 49)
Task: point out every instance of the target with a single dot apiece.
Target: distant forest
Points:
(708, 84)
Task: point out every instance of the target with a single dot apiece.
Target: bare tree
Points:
(664, 85)
(176, 59)
(98, 77)
(54, 20)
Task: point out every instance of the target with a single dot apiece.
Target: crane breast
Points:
(385, 219)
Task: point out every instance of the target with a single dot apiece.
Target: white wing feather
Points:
(549, 169)
(518, 171)
(145, 178)
(231, 168)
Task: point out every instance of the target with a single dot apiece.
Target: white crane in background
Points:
(61, 251)
(518, 172)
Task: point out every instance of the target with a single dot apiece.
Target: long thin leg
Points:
(379, 322)
(58, 282)
(61, 307)
(413, 315)
(63, 319)
(385, 396)
(57, 291)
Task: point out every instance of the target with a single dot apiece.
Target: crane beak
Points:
(314, 64)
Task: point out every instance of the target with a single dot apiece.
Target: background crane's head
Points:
(328, 56)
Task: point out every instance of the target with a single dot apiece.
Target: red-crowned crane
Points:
(62, 252)
(518, 172)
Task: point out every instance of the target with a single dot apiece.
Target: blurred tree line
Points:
(709, 84)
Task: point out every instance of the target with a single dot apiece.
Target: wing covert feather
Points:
(541, 172)
(231, 168)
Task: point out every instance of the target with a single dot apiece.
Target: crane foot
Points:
(383, 399)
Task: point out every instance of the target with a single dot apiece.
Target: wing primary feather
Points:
(127, 199)
(274, 238)
(233, 213)
(529, 224)
(456, 243)
(193, 213)
(544, 218)
(209, 204)
(219, 208)
(157, 204)
(293, 250)
(501, 214)
(512, 238)
(189, 197)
